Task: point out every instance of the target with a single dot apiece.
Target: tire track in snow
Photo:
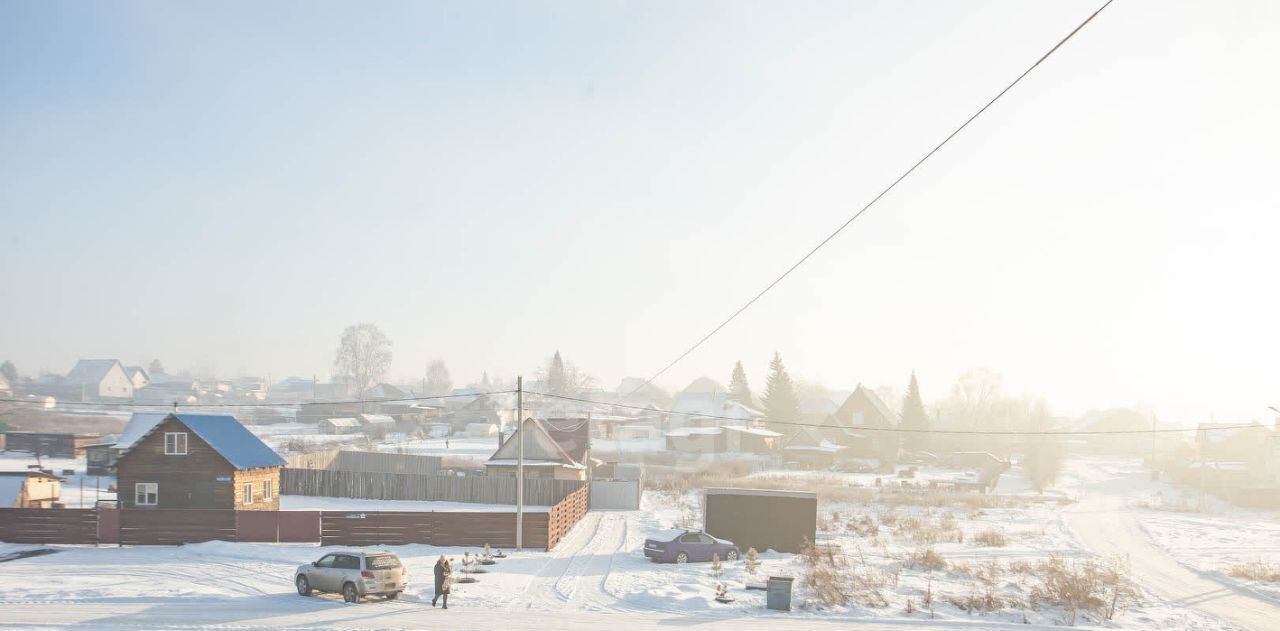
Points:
(542, 590)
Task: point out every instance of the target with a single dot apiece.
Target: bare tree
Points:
(975, 396)
(438, 380)
(363, 356)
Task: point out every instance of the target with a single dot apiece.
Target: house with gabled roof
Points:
(863, 425)
(553, 448)
(199, 461)
(93, 379)
(138, 376)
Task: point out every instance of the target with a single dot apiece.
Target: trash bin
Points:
(779, 594)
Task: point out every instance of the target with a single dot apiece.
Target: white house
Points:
(138, 376)
(98, 379)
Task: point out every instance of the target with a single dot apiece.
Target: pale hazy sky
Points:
(233, 183)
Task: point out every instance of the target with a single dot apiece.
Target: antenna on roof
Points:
(175, 406)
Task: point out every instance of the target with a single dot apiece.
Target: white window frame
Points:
(148, 489)
(267, 490)
(175, 451)
(247, 489)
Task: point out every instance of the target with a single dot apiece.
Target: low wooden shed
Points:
(782, 521)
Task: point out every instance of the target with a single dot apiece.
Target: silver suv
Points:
(354, 575)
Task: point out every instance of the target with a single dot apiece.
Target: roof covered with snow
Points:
(754, 431)
(343, 422)
(377, 419)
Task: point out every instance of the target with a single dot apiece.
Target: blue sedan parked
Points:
(688, 545)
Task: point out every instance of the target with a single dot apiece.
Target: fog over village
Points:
(883, 315)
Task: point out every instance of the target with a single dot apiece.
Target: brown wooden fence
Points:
(172, 526)
(278, 526)
(348, 528)
(563, 516)
(443, 488)
(49, 525)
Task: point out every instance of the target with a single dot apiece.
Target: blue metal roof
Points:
(228, 437)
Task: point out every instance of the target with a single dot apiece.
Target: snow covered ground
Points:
(599, 577)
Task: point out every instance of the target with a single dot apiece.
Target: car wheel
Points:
(393, 595)
(731, 555)
(683, 557)
(349, 593)
(304, 586)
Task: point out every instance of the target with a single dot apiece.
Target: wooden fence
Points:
(565, 514)
(49, 525)
(443, 488)
(348, 528)
(173, 526)
(367, 461)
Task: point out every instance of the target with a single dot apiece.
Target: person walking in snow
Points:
(443, 571)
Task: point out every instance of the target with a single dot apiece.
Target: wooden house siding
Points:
(258, 477)
(200, 479)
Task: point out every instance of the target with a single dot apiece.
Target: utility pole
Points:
(520, 462)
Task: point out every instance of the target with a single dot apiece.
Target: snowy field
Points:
(914, 561)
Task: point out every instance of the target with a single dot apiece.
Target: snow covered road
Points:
(1107, 528)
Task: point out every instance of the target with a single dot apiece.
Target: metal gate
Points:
(615, 495)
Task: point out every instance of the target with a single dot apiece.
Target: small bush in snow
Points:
(991, 539)
(1257, 570)
(926, 559)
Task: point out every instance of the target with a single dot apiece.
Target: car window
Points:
(382, 562)
(690, 538)
(706, 539)
(347, 562)
(327, 561)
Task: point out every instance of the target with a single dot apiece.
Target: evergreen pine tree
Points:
(914, 417)
(780, 402)
(739, 390)
(10, 373)
(557, 377)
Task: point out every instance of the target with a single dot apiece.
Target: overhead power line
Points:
(134, 404)
(869, 204)
(895, 430)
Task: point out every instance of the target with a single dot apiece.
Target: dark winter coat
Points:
(442, 573)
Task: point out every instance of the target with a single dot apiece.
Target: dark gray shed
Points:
(762, 519)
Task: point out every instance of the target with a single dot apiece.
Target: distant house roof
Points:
(227, 437)
(343, 422)
(130, 371)
(90, 371)
(861, 400)
(377, 419)
(685, 432)
(386, 391)
(565, 445)
(140, 424)
(754, 431)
